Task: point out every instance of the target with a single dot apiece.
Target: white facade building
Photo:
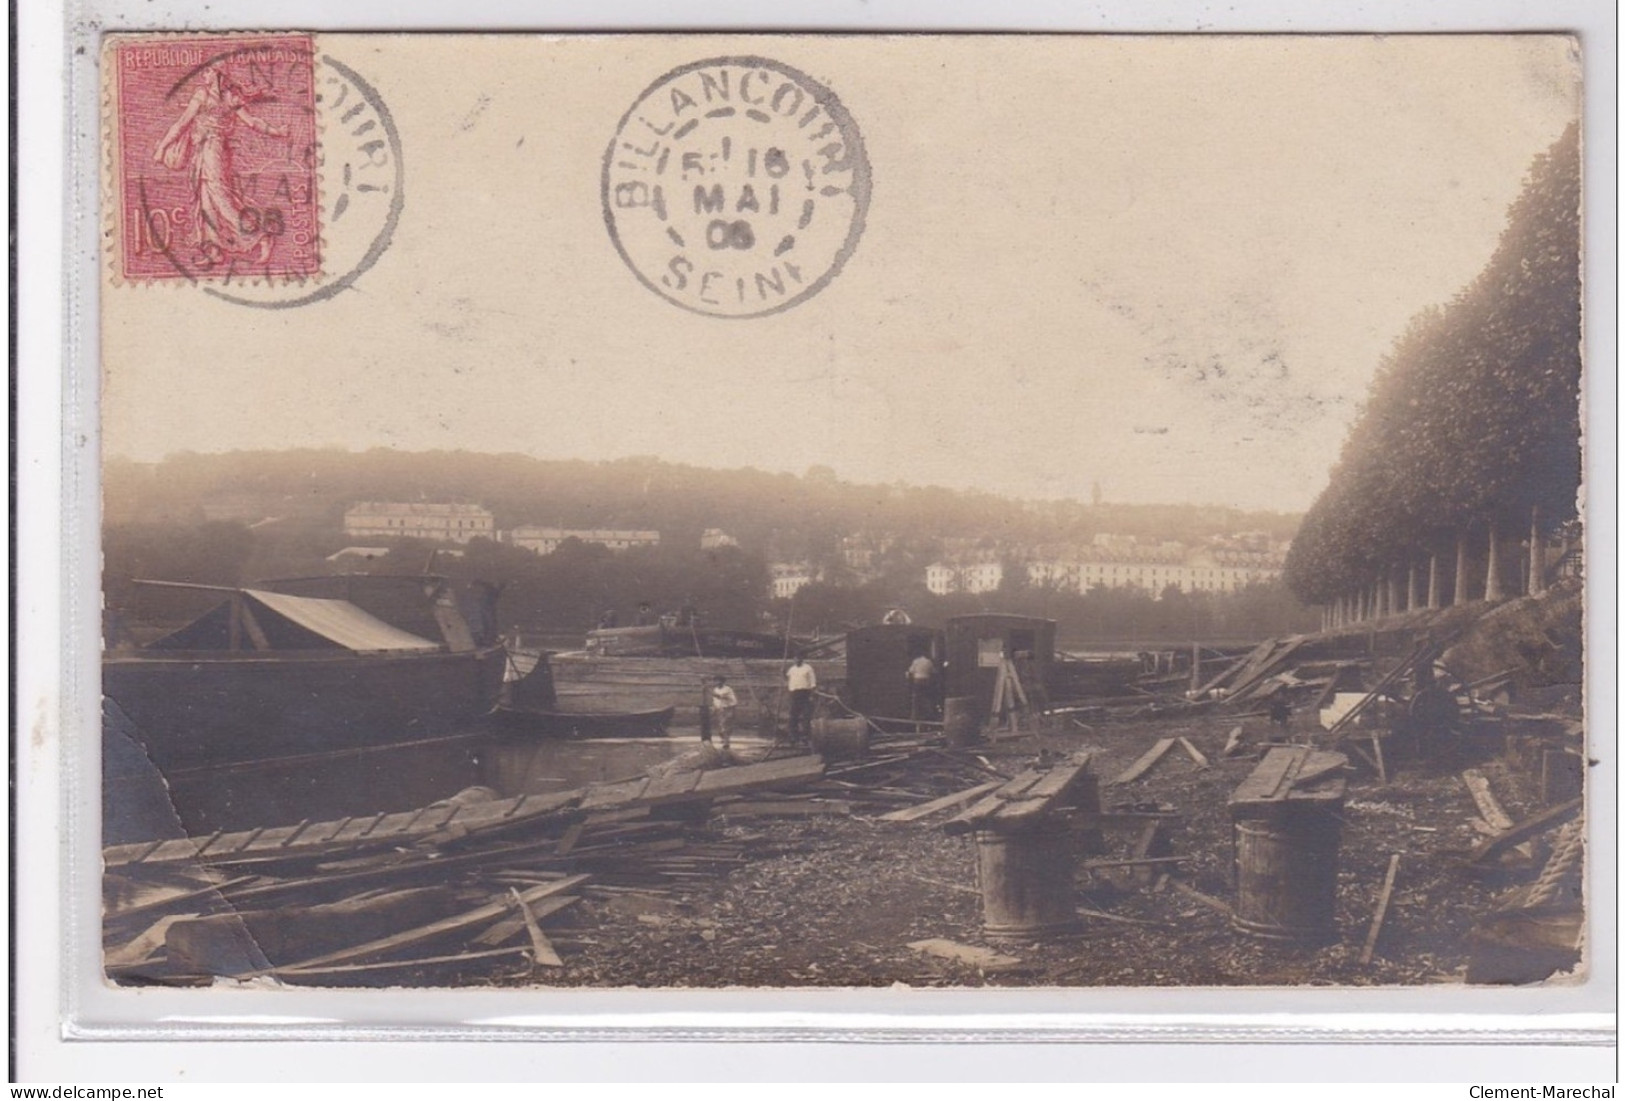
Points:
(715, 538)
(442, 521)
(1153, 570)
(546, 540)
(967, 577)
(790, 578)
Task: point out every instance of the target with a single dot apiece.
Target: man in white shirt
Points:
(801, 680)
(723, 703)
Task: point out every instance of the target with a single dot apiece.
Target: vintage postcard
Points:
(902, 511)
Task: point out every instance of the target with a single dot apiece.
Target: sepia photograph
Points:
(842, 511)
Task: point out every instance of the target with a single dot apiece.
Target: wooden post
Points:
(1537, 554)
(1492, 569)
(1433, 579)
(1196, 664)
(1461, 596)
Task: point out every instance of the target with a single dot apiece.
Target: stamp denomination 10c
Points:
(736, 187)
(215, 174)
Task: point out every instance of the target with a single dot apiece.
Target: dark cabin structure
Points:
(877, 661)
(978, 644)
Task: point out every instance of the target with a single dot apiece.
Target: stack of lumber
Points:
(1030, 797)
(418, 896)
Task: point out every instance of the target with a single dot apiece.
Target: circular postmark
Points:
(264, 175)
(362, 191)
(736, 187)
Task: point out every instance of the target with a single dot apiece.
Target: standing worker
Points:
(922, 671)
(801, 680)
(723, 703)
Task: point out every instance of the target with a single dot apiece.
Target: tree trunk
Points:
(1492, 570)
(1394, 597)
(1537, 554)
(1412, 584)
(1433, 580)
(1379, 598)
(1461, 596)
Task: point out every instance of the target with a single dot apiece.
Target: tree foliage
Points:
(1472, 420)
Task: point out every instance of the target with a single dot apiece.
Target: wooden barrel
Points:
(840, 739)
(959, 719)
(1027, 879)
(1286, 871)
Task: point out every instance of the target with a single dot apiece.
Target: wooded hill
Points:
(241, 517)
(784, 516)
(1466, 459)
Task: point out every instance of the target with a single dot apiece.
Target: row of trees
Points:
(1466, 457)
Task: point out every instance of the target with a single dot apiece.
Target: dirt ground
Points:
(836, 900)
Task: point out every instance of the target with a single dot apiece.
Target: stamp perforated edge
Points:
(112, 163)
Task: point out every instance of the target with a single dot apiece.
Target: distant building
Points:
(1153, 568)
(964, 577)
(790, 578)
(546, 540)
(441, 521)
(714, 538)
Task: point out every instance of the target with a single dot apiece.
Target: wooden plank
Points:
(669, 788)
(613, 795)
(541, 951)
(789, 772)
(571, 836)
(1382, 911)
(1267, 782)
(972, 818)
(409, 937)
(1017, 812)
(1143, 765)
(1195, 754)
(942, 803)
(1019, 784)
(786, 808)
(515, 923)
(1191, 892)
(1232, 743)
(1320, 764)
(1478, 785)
(1135, 862)
(1525, 830)
(391, 965)
(1060, 779)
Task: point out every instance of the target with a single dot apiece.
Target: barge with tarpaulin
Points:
(368, 684)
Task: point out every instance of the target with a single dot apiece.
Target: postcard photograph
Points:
(922, 511)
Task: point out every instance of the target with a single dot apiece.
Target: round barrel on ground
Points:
(840, 739)
(1027, 878)
(1286, 872)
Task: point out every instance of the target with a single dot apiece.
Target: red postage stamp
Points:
(215, 157)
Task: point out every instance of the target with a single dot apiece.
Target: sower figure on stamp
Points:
(801, 680)
(922, 674)
(201, 140)
(723, 703)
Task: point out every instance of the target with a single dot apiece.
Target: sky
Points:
(1168, 266)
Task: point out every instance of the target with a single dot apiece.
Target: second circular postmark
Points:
(736, 186)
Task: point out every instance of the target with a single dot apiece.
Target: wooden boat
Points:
(672, 638)
(310, 667)
(588, 683)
